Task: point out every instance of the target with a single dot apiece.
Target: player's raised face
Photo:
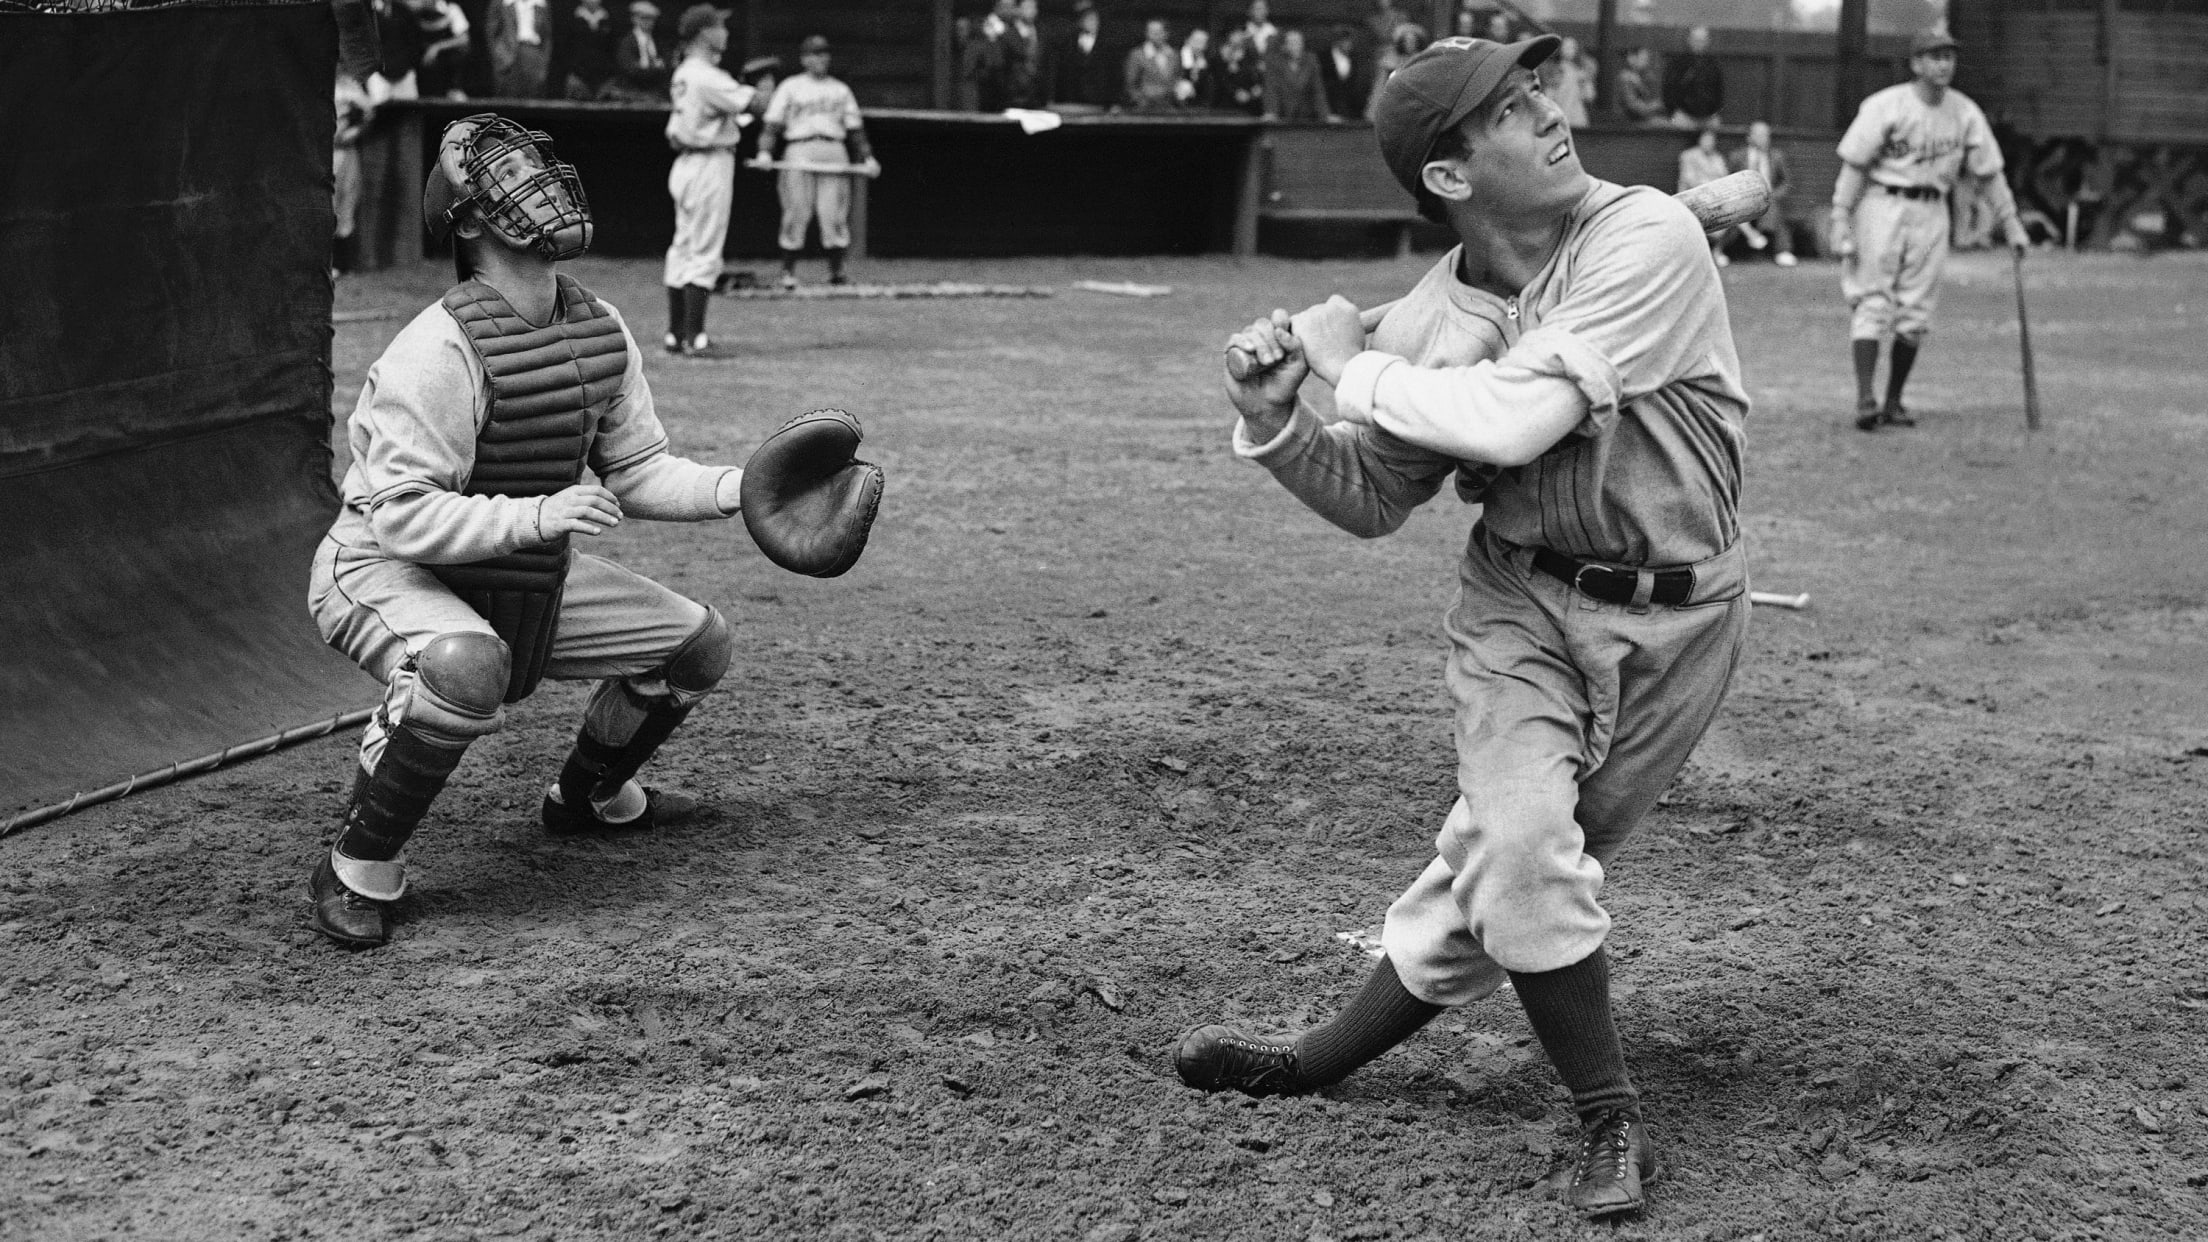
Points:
(1936, 67)
(1522, 160)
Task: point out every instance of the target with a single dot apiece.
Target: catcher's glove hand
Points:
(807, 501)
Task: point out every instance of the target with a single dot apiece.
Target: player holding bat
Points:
(1571, 366)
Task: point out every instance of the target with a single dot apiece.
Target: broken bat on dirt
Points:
(1725, 203)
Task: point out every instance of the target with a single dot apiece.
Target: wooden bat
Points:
(2024, 338)
(1768, 599)
(830, 170)
(1725, 203)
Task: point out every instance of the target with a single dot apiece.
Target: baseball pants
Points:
(614, 622)
(804, 194)
(1572, 716)
(1893, 281)
(702, 183)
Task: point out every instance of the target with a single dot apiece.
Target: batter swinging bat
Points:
(1727, 202)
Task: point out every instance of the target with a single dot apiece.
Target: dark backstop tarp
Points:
(164, 387)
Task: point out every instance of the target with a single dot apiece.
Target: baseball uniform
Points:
(710, 111)
(1572, 713)
(1913, 153)
(815, 116)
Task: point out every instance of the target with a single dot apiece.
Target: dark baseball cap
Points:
(1932, 40)
(697, 18)
(812, 44)
(1435, 90)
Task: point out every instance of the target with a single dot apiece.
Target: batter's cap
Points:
(812, 44)
(1933, 40)
(1435, 90)
(760, 64)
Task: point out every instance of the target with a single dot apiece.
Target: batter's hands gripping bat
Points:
(1725, 203)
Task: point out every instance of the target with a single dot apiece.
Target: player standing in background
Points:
(704, 126)
(813, 119)
(1571, 364)
(447, 574)
(355, 108)
(1891, 214)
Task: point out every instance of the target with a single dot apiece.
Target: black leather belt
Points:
(1914, 191)
(1615, 586)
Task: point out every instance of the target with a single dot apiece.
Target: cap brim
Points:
(1942, 45)
(1481, 86)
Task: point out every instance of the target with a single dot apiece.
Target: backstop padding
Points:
(165, 227)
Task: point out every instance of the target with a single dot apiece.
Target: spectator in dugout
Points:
(1410, 40)
(642, 64)
(1346, 73)
(584, 33)
(1152, 74)
(1694, 84)
(519, 35)
(1240, 75)
(1022, 58)
(1258, 24)
(1081, 68)
(1641, 89)
(1199, 86)
(444, 61)
(1293, 91)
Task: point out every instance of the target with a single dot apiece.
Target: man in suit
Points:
(583, 39)
(1293, 91)
(1152, 76)
(641, 64)
(1080, 68)
(519, 33)
(1346, 73)
(1694, 85)
(1770, 227)
(1022, 57)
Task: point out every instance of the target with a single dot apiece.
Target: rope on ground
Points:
(189, 767)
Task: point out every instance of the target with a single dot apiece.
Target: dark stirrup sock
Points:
(1381, 1015)
(835, 261)
(1570, 1012)
(677, 314)
(1905, 357)
(1866, 369)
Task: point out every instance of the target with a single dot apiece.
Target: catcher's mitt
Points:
(806, 500)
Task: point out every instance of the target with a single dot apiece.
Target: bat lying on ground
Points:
(1725, 203)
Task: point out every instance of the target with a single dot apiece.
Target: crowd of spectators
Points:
(522, 49)
(1249, 65)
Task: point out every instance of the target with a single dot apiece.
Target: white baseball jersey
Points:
(1907, 143)
(708, 106)
(809, 107)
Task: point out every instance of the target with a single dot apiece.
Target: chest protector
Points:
(548, 387)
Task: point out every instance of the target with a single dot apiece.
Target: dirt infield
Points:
(1106, 736)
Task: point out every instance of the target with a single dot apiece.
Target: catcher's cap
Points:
(1933, 40)
(697, 18)
(643, 8)
(812, 44)
(760, 64)
(1435, 90)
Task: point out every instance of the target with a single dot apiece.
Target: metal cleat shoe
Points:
(1867, 416)
(1895, 414)
(343, 915)
(662, 808)
(1215, 1058)
(1613, 1163)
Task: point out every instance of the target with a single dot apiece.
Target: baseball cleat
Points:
(662, 808)
(1895, 414)
(1215, 1058)
(788, 281)
(839, 279)
(343, 915)
(1786, 259)
(1867, 416)
(1615, 1160)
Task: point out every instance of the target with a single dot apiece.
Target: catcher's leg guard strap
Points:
(629, 718)
(390, 801)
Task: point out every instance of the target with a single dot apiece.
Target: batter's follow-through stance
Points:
(1571, 365)
(1891, 213)
(447, 574)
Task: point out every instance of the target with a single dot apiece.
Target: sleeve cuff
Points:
(1557, 352)
(1302, 425)
(1358, 395)
(727, 491)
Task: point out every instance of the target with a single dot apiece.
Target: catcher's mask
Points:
(509, 177)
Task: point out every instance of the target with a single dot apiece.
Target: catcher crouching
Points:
(448, 574)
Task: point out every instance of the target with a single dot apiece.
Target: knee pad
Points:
(698, 664)
(459, 685)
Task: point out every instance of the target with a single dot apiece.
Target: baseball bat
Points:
(1725, 203)
(832, 170)
(2024, 339)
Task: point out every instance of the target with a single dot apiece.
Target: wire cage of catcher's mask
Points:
(510, 177)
